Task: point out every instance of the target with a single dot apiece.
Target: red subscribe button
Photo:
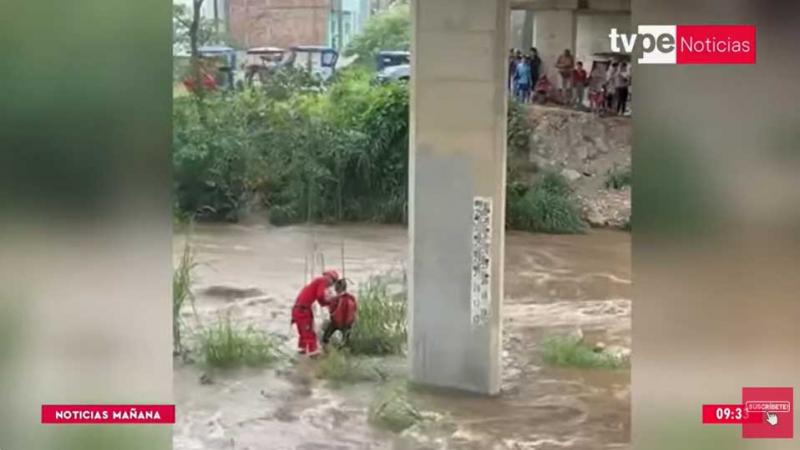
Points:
(108, 414)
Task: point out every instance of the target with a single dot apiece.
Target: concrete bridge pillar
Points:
(457, 192)
(554, 31)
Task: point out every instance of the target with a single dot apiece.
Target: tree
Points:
(389, 30)
(207, 30)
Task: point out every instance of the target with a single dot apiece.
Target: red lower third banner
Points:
(730, 414)
(108, 414)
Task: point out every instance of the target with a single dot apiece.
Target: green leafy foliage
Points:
(548, 206)
(380, 327)
(573, 352)
(227, 345)
(306, 152)
(389, 30)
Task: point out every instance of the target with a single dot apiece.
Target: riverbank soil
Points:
(586, 149)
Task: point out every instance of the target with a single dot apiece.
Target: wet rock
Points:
(205, 379)
(260, 300)
(593, 215)
(571, 175)
(607, 208)
(619, 352)
(599, 347)
(231, 292)
(285, 414)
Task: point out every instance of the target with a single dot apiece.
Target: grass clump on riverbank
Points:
(618, 178)
(393, 410)
(548, 206)
(227, 345)
(380, 328)
(339, 366)
(181, 294)
(570, 351)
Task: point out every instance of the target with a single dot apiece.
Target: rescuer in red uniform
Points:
(318, 290)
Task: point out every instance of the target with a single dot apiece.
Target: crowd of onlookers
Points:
(605, 91)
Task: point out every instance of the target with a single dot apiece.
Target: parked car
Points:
(390, 58)
(394, 73)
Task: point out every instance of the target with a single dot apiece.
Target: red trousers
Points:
(303, 318)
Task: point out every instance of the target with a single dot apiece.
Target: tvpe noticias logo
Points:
(689, 44)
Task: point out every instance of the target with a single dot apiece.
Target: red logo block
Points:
(715, 44)
(777, 407)
(108, 414)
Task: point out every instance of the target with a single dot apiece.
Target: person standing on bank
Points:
(623, 82)
(536, 68)
(579, 81)
(522, 79)
(565, 65)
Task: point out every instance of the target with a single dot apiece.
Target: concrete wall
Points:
(592, 33)
(280, 23)
(553, 31)
(457, 153)
(516, 30)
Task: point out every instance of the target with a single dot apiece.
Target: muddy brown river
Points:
(554, 285)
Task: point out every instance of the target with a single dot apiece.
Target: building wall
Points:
(355, 14)
(279, 23)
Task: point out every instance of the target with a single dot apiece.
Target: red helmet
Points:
(332, 274)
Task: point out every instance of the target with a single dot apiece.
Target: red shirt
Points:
(343, 310)
(314, 291)
(579, 77)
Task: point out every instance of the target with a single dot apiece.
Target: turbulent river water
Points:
(553, 284)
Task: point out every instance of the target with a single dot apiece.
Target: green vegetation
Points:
(227, 345)
(573, 352)
(548, 206)
(181, 294)
(617, 178)
(303, 152)
(519, 130)
(312, 152)
(381, 325)
(393, 410)
(389, 30)
(339, 366)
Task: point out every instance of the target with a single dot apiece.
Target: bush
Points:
(392, 409)
(548, 206)
(216, 164)
(573, 352)
(518, 129)
(226, 345)
(299, 149)
(618, 178)
(380, 328)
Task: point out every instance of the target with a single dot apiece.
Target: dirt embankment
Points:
(586, 149)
